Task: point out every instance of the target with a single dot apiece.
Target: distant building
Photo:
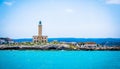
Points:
(40, 37)
(90, 44)
(6, 41)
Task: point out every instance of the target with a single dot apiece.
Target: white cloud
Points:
(8, 3)
(113, 1)
(68, 10)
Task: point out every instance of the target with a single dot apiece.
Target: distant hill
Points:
(102, 41)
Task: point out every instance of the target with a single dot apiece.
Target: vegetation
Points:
(73, 46)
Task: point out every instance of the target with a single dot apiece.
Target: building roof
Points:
(90, 43)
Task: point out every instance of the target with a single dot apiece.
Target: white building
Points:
(6, 41)
(90, 44)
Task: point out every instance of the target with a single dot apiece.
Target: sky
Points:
(60, 18)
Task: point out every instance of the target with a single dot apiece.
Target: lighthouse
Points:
(40, 37)
(40, 29)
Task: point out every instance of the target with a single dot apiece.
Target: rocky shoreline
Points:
(57, 47)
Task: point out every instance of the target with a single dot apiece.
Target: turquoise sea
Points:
(36, 59)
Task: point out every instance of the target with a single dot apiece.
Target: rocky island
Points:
(40, 42)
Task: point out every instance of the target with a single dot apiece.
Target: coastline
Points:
(58, 48)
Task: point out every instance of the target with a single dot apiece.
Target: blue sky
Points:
(60, 18)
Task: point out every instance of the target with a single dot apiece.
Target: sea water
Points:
(36, 59)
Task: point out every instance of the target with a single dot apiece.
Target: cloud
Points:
(113, 1)
(68, 10)
(8, 3)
